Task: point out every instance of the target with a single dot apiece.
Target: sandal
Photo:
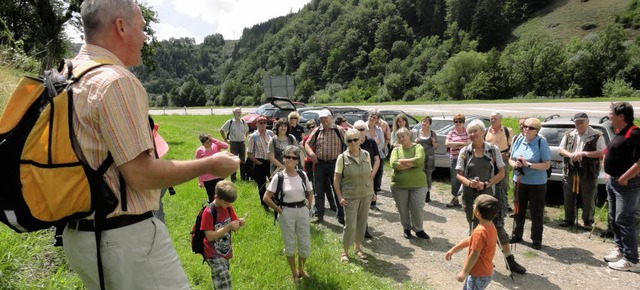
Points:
(344, 258)
(303, 274)
(361, 255)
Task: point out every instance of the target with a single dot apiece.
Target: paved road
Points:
(507, 109)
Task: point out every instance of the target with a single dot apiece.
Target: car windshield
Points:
(436, 125)
(262, 109)
(554, 134)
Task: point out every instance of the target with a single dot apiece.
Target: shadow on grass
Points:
(381, 268)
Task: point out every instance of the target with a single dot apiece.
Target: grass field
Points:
(563, 19)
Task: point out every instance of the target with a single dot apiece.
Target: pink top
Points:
(216, 146)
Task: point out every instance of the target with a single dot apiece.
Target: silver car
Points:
(441, 125)
(553, 129)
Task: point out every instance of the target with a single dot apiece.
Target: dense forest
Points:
(381, 50)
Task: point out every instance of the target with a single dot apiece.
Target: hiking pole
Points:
(516, 204)
(505, 261)
(595, 222)
(576, 191)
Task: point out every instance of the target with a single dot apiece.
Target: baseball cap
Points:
(261, 118)
(325, 113)
(580, 116)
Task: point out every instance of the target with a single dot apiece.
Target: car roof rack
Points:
(551, 117)
(605, 118)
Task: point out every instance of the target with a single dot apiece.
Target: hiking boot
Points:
(515, 240)
(587, 227)
(606, 234)
(428, 198)
(536, 245)
(341, 220)
(565, 224)
(625, 265)
(422, 235)
(318, 220)
(614, 256)
(407, 234)
(368, 235)
(514, 267)
(454, 202)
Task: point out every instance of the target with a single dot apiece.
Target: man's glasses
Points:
(352, 140)
(291, 157)
(529, 128)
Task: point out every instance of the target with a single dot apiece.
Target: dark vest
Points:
(588, 167)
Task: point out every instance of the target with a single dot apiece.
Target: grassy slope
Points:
(562, 19)
(8, 80)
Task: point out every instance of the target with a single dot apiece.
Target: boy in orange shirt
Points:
(478, 265)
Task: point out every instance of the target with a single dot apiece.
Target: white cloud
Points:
(165, 31)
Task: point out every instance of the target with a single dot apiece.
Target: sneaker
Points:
(614, 256)
(454, 202)
(407, 234)
(587, 227)
(624, 265)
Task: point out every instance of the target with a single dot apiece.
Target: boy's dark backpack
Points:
(197, 235)
(278, 196)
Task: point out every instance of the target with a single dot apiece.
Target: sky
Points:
(199, 18)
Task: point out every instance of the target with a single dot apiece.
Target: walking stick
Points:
(595, 222)
(576, 191)
(505, 261)
(516, 204)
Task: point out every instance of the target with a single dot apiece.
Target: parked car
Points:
(442, 125)
(278, 107)
(553, 129)
(387, 115)
(313, 113)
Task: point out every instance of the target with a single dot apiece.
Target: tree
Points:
(460, 70)
(40, 25)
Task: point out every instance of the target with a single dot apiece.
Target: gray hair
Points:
(476, 125)
(352, 133)
(99, 14)
(360, 124)
(402, 131)
(497, 114)
(374, 111)
(295, 149)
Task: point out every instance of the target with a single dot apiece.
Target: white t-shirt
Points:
(291, 187)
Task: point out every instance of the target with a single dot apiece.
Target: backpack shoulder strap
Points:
(279, 192)
(506, 133)
(304, 180)
(76, 73)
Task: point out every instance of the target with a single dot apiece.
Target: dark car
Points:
(313, 113)
(386, 115)
(553, 129)
(278, 107)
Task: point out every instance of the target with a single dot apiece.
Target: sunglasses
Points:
(261, 123)
(361, 129)
(458, 121)
(293, 118)
(352, 140)
(529, 127)
(290, 157)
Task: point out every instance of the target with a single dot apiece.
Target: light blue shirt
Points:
(535, 151)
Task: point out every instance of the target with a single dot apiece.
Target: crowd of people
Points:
(341, 162)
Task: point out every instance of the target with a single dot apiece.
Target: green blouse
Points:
(414, 176)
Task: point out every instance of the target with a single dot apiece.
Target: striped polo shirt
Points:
(454, 136)
(111, 115)
(258, 144)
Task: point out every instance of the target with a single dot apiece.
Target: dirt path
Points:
(567, 260)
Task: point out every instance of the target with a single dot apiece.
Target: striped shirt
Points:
(259, 144)
(454, 136)
(236, 130)
(328, 145)
(111, 115)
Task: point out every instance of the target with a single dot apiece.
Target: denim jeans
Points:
(477, 282)
(455, 184)
(623, 201)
